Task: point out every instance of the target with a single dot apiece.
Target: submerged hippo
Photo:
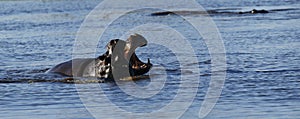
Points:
(254, 11)
(118, 61)
(212, 12)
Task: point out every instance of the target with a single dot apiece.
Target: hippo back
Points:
(67, 69)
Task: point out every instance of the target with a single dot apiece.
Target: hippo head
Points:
(124, 60)
(138, 67)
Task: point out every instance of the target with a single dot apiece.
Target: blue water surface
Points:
(262, 52)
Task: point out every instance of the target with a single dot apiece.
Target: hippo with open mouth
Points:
(118, 61)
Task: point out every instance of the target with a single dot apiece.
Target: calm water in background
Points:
(262, 50)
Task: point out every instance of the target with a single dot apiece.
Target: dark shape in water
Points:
(220, 11)
(119, 61)
(254, 11)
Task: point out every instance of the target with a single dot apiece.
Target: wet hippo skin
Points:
(119, 59)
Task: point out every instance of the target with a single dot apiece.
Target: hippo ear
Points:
(148, 61)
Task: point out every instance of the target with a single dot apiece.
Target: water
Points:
(263, 72)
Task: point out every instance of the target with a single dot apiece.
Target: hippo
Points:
(212, 12)
(254, 11)
(118, 61)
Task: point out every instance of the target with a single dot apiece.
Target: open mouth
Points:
(137, 66)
